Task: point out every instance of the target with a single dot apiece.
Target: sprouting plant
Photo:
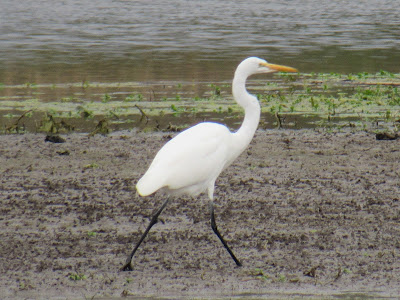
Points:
(31, 85)
(77, 276)
(259, 273)
(335, 75)
(84, 113)
(331, 105)
(350, 77)
(386, 73)
(85, 84)
(106, 98)
(174, 108)
(129, 280)
(134, 97)
(394, 97)
(281, 278)
(177, 109)
(346, 271)
(388, 115)
(91, 166)
(217, 90)
(314, 104)
(67, 99)
(9, 115)
(362, 75)
(288, 77)
(113, 113)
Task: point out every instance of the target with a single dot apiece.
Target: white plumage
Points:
(190, 162)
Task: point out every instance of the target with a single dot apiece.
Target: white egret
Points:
(191, 162)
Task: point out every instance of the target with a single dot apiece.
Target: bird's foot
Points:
(127, 266)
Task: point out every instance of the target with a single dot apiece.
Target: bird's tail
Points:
(148, 184)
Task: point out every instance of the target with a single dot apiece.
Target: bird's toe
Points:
(127, 267)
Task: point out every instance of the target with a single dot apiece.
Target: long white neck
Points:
(252, 110)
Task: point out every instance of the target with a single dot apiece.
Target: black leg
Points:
(154, 220)
(215, 229)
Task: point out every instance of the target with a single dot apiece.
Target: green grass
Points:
(76, 276)
(366, 96)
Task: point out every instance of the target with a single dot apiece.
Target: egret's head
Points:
(255, 65)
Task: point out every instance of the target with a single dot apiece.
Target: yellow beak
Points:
(280, 68)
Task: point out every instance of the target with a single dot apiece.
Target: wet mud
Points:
(308, 212)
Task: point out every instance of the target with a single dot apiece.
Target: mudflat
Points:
(308, 212)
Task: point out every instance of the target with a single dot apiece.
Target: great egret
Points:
(191, 162)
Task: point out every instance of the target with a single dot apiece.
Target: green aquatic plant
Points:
(260, 274)
(91, 166)
(307, 89)
(76, 276)
(350, 77)
(287, 76)
(174, 108)
(113, 113)
(106, 98)
(85, 113)
(330, 102)
(31, 85)
(85, 84)
(362, 75)
(314, 104)
(68, 99)
(9, 115)
(217, 90)
(282, 278)
(367, 96)
(386, 74)
(49, 124)
(137, 97)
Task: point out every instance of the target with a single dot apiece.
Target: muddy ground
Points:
(309, 213)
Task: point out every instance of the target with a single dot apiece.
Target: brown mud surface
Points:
(309, 213)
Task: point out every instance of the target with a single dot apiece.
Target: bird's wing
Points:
(195, 156)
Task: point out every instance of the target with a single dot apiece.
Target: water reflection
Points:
(104, 40)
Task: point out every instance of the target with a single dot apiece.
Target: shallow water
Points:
(118, 41)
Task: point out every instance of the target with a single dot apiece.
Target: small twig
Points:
(23, 115)
(143, 114)
(15, 125)
(152, 95)
(279, 120)
(338, 274)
